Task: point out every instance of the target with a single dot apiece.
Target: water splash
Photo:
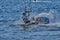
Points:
(52, 15)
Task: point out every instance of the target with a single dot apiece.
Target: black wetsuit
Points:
(25, 18)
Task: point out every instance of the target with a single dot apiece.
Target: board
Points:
(33, 23)
(28, 24)
(41, 25)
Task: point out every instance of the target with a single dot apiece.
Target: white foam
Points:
(51, 25)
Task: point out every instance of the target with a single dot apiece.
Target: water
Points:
(11, 11)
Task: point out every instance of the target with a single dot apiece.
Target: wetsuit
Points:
(25, 18)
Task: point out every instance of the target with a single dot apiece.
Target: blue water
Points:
(11, 11)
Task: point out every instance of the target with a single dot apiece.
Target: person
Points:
(25, 18)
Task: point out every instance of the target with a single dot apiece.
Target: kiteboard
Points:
(39, 24)
(28, 24)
